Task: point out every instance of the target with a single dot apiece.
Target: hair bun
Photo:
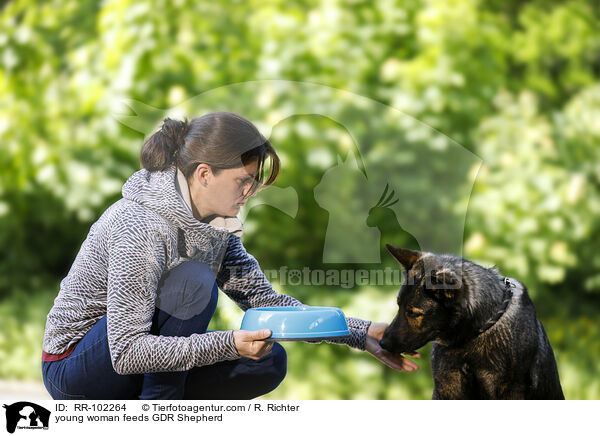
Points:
(176, 131)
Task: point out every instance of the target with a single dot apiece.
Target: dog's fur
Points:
(486, 344)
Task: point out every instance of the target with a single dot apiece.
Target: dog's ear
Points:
(406, 257)
(445, 284)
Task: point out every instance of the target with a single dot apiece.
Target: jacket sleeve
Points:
(136, 260)
(241, 278)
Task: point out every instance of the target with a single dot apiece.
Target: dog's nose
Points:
(383, 343)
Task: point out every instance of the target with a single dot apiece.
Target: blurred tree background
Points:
(515, 83)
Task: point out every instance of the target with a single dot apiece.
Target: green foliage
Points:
(22, 322)
(575, 343)
(514, 83)
(537, 197)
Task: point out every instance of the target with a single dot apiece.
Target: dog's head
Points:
(431, 297)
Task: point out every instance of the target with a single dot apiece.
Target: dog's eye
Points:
(414, 313)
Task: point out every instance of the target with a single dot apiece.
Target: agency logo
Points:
(26, 415)
(382, 176)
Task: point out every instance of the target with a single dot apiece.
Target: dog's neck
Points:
(501, 310)
(483, 316)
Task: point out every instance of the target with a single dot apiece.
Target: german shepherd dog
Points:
(487, 340)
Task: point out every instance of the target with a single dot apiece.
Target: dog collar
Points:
(508, 294)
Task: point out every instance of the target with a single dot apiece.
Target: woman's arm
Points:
(136, 262)
(241, 278)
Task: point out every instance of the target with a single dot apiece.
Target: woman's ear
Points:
(202, 174)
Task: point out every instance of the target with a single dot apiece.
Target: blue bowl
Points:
(297, 323)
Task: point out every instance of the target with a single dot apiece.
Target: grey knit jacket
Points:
(117, 270)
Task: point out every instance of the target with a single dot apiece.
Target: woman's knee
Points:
(278, 362)
(187, 290)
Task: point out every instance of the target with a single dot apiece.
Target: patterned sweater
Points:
(117, 270)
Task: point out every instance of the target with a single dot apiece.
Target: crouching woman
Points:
(130, 320)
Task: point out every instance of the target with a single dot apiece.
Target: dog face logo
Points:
(26, 415)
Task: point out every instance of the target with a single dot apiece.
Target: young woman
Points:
(130, 319)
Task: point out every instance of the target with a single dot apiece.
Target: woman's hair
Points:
(220, 139)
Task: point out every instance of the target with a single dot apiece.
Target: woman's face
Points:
(224, 193)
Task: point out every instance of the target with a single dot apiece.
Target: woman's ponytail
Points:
(162, 148)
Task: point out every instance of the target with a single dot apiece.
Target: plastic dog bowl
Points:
(297, 323)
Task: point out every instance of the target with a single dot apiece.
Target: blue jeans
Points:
(87, 373)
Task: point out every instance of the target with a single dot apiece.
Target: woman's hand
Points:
(394, 361)
(252, 344)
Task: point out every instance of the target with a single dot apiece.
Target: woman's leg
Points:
(87, 373)
(186, 302)
(185, 305)
(241, 379)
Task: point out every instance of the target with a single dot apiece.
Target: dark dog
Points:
(487, 340)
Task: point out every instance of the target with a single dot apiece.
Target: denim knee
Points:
(278, 358)
(186, 290)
